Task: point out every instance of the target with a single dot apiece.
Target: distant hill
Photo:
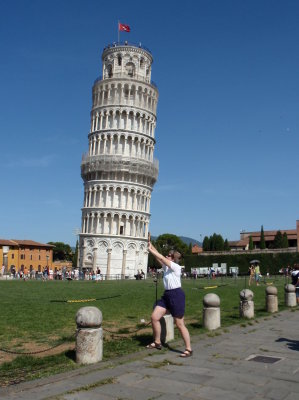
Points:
(185, 239)
(188, 240)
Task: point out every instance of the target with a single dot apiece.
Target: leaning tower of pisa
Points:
(119, 169)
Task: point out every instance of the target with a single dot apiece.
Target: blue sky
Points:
(227, 129)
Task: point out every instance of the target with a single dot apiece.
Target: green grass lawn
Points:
(35, 315)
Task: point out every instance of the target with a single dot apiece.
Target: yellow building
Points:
(25, 255)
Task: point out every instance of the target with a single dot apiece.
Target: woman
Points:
(251, 273)
(173, 299)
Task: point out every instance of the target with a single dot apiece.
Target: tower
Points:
(119, 170)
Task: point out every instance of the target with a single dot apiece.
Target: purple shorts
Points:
(174, 301)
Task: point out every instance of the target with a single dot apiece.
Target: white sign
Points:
(5, 249)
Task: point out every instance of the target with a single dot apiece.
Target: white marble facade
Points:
(119, 169)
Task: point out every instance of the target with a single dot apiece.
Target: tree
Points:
(250, 243)
(226, 245)
(219, 243)
(285, 241)
(61, 251)
(278, 240)
(206, 244)
(168, 242)
(262, 242)
(214, 243)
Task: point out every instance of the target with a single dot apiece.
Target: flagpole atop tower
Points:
(118, 30)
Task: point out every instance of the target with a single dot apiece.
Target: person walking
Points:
(295, 280)
(173, 299)
(257, 272)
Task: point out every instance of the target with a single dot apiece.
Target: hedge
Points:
(269, 262)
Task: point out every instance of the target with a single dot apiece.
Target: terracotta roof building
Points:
(196, 249)
(243, 243)
(25, 255)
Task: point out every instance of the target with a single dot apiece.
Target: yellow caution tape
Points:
(80, 301)
(210, 287)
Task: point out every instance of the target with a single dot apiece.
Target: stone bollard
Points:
(246, 306)
(271, 299)
(290, 295)
(211, 311)
(167, 328)
(89, 335)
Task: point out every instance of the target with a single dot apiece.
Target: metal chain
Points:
(29, 352)
(128, 333)
(32, 352)
(57, 345)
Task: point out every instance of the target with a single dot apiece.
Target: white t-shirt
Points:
(172, 276)
(295, 276)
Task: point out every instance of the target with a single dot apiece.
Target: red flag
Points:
(123, 27)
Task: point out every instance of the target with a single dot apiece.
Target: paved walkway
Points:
(258, 361)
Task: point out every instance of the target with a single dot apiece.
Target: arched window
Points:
(119, 59)
(130, 68)
(109, 71)
(141, 62)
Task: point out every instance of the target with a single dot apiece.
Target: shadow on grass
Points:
(143, 340)
(71, 354)
(196, 325)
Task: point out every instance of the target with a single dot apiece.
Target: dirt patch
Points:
(43, 350)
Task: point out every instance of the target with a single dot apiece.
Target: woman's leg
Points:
(157, 314)
(184, 331)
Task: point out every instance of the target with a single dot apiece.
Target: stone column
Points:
(104, 223)
(112, 197)
(167, 328)
(125, 146)
(123, 267)
(83, 255)
(271, 299)
(134, 201)
(94, 191)
(127, 119)
(246, 306)
(94, 265)
(290, 295)
(91, 223)
(100, 199)
(136, 260)
(211, 311)
(108, 263)
(146, 229)
(89, 335)
(111, 143)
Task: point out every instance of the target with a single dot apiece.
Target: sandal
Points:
(154, 345)
(187, 353)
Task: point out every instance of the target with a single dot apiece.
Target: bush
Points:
(269, 262)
